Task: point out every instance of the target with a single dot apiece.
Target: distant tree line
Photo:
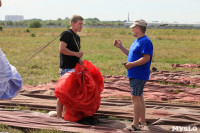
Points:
(36, 23)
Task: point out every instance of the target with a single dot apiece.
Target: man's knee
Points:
(135, 98)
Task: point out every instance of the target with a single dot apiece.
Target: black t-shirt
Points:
(66, 61)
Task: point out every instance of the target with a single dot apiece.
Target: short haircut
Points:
(142, 28)
(75, 18)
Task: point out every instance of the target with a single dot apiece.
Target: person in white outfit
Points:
(10, 80)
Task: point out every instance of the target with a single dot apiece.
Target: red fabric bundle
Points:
(80, 91)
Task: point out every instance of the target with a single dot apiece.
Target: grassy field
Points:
(171, 46)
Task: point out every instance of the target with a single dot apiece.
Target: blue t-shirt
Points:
(139, 47)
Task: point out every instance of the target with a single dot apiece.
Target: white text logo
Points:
(180, 128)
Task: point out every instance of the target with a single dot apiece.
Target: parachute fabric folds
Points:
(80, 91)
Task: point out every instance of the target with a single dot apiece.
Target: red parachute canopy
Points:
(80, 91)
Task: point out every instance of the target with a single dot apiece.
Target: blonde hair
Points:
(75, 18)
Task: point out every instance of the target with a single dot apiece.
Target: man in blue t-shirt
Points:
(138, 70)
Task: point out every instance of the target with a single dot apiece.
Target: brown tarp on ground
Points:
(161, 115)
(177, 77)
(189, 66)
(28, 119)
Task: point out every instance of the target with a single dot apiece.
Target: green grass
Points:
(21, 107)
(8, 129)
(170, 46)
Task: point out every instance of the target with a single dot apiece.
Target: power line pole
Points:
(128, 17)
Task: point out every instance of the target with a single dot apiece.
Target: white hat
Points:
(140, 22)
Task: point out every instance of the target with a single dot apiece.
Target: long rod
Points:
(39, 51)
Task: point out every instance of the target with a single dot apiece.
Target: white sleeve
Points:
(5, 68)
(10, 80)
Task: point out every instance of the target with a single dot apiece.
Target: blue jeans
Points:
(136, 86)
(63, 71)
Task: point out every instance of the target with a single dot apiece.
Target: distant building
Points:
(14, 18)
(165, 24)
(127, 24)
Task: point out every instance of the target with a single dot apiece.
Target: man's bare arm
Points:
(141, 61)
(64, 50)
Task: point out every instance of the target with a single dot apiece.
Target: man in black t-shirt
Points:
(70, 53)
(70, 44)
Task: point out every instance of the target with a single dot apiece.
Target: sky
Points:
(183, 11)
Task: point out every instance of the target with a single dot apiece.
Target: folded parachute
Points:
(79, 91)
(10, 80)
